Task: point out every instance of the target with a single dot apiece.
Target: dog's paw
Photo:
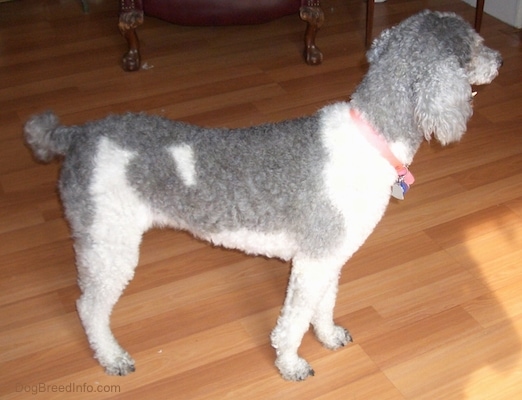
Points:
(338, 337)
(295, 369)
(121, 366)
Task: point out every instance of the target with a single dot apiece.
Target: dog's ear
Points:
(379, 45)
(443, 101)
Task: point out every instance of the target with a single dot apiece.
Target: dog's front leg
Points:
(307, 288)
(330, 335)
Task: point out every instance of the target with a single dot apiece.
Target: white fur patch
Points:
(358, 178)
(401, 151)
(119, 213)
(278, 245)
(185, 163)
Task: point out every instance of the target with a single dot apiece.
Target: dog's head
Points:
(431, 60)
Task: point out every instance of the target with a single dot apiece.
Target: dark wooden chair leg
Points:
(85, 6)
(478, 14)
(131, 16)
(313, 15)
(370, 7)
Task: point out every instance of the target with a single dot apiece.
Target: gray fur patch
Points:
(267, 178)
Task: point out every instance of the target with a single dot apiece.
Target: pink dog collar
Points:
(404, 176)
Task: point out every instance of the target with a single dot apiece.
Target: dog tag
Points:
(405, 187)
(397, 191)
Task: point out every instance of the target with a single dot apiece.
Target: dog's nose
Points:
(500, 61)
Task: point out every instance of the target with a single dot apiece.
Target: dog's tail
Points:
(46, 138)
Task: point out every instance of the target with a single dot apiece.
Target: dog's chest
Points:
(357, 177)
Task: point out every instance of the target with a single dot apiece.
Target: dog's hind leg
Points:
(308, 285)
(104, 269)
(107, 236)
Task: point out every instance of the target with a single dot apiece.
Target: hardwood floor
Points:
(433, 299)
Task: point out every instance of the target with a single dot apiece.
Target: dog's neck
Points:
(376, 139)
(379, 142)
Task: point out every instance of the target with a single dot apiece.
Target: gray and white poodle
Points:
(309, 190)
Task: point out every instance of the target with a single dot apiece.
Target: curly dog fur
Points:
(282, 190)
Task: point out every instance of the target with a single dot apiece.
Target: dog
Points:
(309, 190)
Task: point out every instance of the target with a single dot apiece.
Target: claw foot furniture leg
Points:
(131, 16)
(313, 15)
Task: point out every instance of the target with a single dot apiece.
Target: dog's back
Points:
(220, 184)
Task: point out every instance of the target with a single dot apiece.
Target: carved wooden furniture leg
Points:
(131, 16)
(313, 15)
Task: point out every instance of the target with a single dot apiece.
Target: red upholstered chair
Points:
(217, 12)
